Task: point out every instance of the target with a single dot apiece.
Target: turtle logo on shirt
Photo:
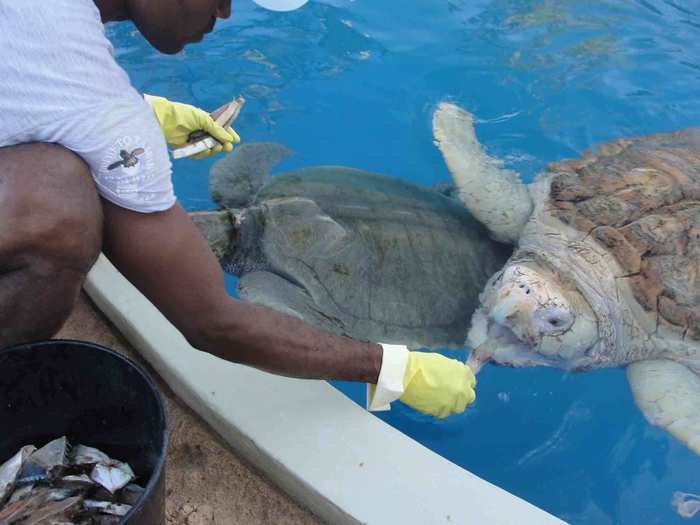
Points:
(129, 160)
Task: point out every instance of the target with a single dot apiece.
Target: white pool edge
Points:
(325, 451)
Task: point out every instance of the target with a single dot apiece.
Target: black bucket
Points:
(95, 397)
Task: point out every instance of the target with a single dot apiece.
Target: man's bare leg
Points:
(50, 235)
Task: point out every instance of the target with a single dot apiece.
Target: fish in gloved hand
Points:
(427, 382)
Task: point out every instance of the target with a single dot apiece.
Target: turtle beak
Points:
(481, 355)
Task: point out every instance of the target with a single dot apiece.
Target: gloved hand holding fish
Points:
(426, 381)
(192, 131)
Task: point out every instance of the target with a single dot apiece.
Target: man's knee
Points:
(36, 303)
(50, 206)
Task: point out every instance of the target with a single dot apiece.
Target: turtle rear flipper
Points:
(272, 291)
(495, 196)
(668, 394)
(235, 179)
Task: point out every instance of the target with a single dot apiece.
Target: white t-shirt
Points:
(59, 83)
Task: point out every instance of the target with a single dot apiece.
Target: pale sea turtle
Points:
(606, 272)
(356, 253)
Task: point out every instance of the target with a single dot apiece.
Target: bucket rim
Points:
(158, 470)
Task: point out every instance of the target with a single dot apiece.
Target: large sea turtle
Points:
(607, 267)
(356, 253)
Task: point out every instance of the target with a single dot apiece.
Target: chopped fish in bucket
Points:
(63, 485)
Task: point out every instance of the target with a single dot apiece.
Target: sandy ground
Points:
(206, 483)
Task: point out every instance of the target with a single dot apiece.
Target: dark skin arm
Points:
(166, 258)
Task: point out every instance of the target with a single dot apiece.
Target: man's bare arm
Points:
(164, 255)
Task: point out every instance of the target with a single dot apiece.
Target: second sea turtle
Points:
(357, 253)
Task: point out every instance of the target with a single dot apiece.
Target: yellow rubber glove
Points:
(437, 385)
(178, 120)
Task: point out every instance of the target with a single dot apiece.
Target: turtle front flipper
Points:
(272, 291)
(495, 196)
(235, 179)
(668, 393)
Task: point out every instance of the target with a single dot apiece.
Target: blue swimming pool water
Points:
(355, 83)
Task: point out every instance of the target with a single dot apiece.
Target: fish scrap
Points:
(62, 485)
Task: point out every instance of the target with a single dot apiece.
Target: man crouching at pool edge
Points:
(67, 110)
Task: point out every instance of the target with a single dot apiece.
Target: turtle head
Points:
(530, 317)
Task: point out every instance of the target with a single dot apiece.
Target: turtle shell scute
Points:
(640, 199)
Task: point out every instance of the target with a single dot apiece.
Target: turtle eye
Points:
(554, 319)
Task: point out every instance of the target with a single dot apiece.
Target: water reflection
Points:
(577, 414)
